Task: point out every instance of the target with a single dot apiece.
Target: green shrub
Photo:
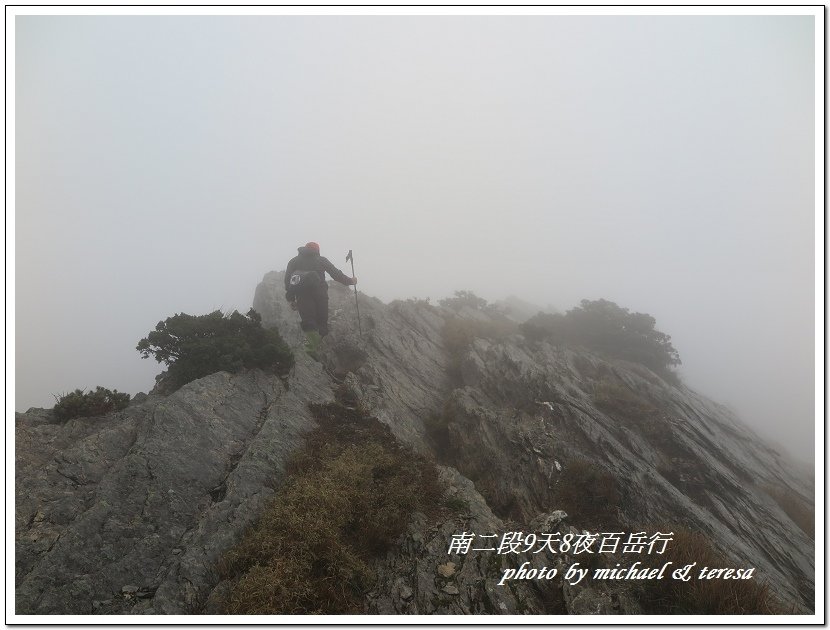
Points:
(80, 404)
(348, 497)
(457, 504)
(195, 346)
(605, 327)
(546, 326)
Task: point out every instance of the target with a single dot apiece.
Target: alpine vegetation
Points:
(79, 404)
(605, 327)
(348, 497)
(431, 460)
(195, 346)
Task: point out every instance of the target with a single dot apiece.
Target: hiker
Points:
(308, 293)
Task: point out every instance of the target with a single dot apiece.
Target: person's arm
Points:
(335, 273)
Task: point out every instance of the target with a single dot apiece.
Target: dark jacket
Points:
(311, 260)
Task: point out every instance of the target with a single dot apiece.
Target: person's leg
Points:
(307, 308)
(322, 316)
(310, 323)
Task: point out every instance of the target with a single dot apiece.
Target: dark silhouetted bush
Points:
(193, 346)
(603, 326)
(80, 404)
(462, 299)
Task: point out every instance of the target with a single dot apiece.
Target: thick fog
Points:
(165, 164)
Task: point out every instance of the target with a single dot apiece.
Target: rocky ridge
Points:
(130, 513)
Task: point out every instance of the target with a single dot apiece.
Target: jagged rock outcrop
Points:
(150, 496)
(130, 512)
(525, 409)
(424, 577)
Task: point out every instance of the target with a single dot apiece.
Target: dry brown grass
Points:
(637, 413)
(801, 513)
(348, 497)
(589, 494)
(704, 597)
(618, 399)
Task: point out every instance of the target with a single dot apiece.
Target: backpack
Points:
(303, 281)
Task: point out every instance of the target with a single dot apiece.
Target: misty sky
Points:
(165, 164)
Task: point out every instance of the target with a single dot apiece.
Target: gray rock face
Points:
(695, 464)
(399, 395)
(426, 576)
(149, 497)
(130, 512)
(525, 410)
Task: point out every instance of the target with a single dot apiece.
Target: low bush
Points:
(605, 327)
(464, 299)
(457, 504)
(193, 346)
(80, 404)
(348, 496)
(416, 301)
(704, 597)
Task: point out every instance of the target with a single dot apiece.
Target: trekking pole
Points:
(349, 257)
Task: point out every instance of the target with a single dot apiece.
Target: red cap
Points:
(314, 246)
